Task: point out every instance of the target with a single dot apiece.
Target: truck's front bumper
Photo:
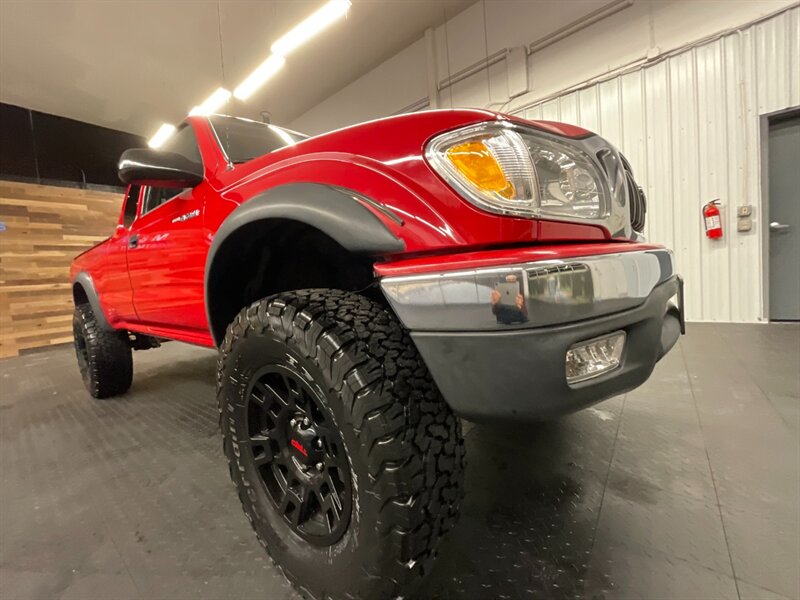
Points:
(498, 355)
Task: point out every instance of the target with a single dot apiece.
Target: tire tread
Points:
(394, 408)
(110, 356)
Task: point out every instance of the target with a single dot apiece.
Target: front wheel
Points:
(348, 462)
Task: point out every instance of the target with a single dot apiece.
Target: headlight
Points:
(510, 171)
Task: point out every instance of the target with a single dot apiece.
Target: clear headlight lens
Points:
(569, 184)
(513, 172)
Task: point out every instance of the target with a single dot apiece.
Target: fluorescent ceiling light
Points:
(212, 103)
(162, 135)
(332, 10)
(258, 77)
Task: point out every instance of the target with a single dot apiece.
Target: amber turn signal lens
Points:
(475, 161)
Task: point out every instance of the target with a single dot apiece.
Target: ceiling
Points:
(133, 64)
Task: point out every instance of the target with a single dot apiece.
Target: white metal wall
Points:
(690, 127)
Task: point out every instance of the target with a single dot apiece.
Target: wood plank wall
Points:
(45, 227)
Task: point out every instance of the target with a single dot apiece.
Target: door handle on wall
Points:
(778, 227)
(133, 241)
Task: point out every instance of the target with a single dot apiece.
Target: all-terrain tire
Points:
(403, 443)
(104, 357)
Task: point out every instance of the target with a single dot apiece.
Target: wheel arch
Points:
(293, 236)
(84, 292)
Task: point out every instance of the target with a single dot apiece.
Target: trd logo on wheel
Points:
(299, 447)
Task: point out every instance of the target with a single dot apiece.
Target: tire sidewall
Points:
(336, 565)
(81, 334)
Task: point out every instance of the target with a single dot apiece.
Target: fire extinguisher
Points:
(712, 219)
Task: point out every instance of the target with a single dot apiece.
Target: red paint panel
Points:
(494, 258)
(561, 231)
(563, 129)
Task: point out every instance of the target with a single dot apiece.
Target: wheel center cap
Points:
(303, 443)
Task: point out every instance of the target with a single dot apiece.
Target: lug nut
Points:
(306, 422)
(319, 466)
(293, 422)
(319, 443)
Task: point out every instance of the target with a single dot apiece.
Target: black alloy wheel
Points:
(346, 459)
(299, 454)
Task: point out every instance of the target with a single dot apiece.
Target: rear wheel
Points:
(348, 462)
(104, 357)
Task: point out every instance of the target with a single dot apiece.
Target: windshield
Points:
(243, 140)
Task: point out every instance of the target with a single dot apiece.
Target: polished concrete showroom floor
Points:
(686, 488)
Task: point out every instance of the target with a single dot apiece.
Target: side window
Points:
(155, 197)
(131, 203)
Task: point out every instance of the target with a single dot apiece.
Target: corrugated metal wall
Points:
(690, 126)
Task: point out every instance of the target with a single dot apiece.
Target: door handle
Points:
(778, 227)
(133, 241)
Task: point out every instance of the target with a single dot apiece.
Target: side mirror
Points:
(158, 168)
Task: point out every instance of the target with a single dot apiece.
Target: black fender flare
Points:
(85, 281)
(335, 211)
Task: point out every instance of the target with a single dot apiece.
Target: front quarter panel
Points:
(409, 217)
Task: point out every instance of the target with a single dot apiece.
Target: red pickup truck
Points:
(366, 288)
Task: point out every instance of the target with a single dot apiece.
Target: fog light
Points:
(595, 357)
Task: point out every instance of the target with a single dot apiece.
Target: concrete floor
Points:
(686, 488)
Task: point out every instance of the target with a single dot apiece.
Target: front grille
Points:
(636, 199)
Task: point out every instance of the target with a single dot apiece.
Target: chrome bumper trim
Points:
(527, 295)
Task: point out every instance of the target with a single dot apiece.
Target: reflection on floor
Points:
(685, 488)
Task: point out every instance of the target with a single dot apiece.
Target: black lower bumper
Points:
(521, 375)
